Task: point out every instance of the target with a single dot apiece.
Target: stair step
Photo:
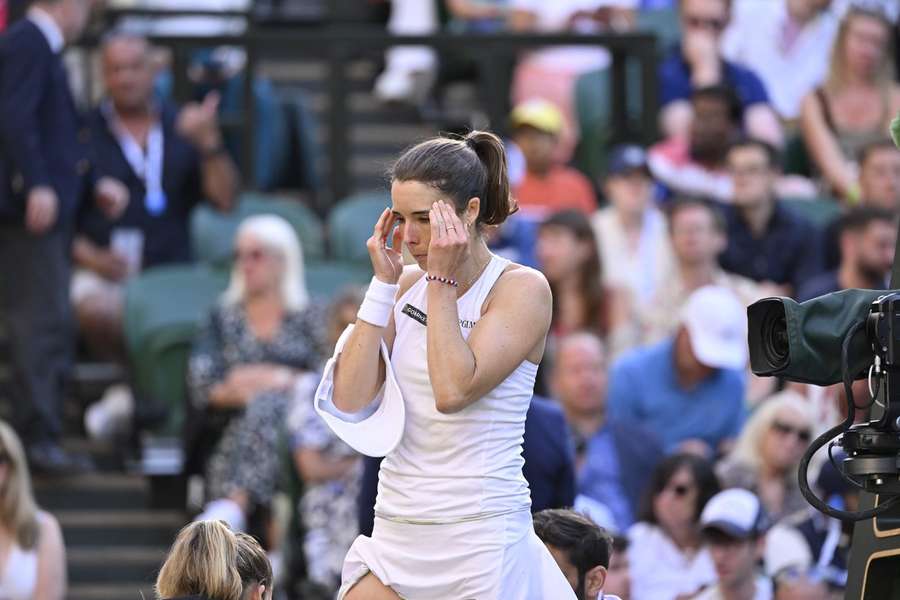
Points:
(112, 591)
(91, 528)
(116, 564)
(94, 491)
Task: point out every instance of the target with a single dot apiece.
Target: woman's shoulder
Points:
(411, 274)
(523, 279)
(48, 526)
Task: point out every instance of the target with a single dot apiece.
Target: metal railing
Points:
(340, 43)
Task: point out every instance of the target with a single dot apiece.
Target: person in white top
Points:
(734, 525)
(437, 375)
(666, 555)
(32, 554)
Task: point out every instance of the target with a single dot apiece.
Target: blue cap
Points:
(627, 158)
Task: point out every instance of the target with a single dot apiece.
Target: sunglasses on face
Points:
(782, 428)
(680, 489)
(710, 24)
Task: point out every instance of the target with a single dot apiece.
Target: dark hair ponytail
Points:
(461, 169)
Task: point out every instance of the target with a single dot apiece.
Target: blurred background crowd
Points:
(698, 156)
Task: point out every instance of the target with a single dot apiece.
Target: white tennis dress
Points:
(452, 518)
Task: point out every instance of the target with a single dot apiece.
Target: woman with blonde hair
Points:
(856, 103)
(244, 364)
(33, 559)
(208, 561)
(765, 457)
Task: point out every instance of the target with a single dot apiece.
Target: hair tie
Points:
(471, 144)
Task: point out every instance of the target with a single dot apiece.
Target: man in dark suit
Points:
(549, 467)
(44, 174)
(613, 458)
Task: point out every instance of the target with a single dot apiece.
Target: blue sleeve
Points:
(810, 260)
(674, 79)
(748, 85)
(24, 77)
(565, 488)
(739, 410)
(623, 398)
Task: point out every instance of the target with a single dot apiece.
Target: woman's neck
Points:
(471, 270)
(685, 537)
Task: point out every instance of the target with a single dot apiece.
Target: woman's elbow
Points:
(447, 404)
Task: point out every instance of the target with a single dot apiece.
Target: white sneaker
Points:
(111, 415)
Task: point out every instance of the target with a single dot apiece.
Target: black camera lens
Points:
(775, 339)
(770, 349)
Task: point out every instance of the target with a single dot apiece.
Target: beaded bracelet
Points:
(439, 279)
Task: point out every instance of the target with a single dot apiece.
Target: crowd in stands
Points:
(772, 175)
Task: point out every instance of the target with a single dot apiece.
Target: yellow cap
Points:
(538, 113)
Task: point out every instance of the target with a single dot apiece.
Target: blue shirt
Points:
(789, 251)
(675, 81)
(644, 388)
(600, 477)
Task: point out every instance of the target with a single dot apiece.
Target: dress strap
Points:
(487, 280)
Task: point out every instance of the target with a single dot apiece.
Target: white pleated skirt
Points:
(488, 559)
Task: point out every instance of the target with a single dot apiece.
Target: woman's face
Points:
(559, 253)
(785, 440)
(261, 266)
(865, 44)
(675, 506)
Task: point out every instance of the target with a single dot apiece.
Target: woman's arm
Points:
(823, 147)
(51, 576)
(512, 329)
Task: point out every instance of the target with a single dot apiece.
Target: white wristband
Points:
(379, 301)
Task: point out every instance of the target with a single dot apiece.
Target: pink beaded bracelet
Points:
(439, 279)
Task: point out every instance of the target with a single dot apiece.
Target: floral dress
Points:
(328, 509)
(246, 457)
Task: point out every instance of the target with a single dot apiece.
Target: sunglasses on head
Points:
(802, 434)
(711, 24)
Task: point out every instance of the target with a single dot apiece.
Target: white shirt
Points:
(48, 27)
(791, 60)
(763, 591)
(660, 570)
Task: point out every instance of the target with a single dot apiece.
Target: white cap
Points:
(735, 512)
(717, 324)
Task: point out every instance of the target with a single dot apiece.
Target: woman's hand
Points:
(387, 263)
(449, 243)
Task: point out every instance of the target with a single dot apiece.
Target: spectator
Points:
(868, 237)
(209, 562)
(766, 242)
(613, 458)
(547, 185)
(697, 229)
(694, 163)
(44, 173)
(786, 43)
(879, 175)
(695, 398)
(549, 464)
(34, 561)
(618, 581)
(567, 255)
(765, 457)
(665, 551)
(551, 73)
(580, 548)
(170, 160)
(697, 63)
(631, 231)
(478, 16)
(734, 525)
(257, 341)
(331, 471)
(409, 71)
(855, 104)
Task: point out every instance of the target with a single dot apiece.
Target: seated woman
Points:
(245, 361)
(667, 559)
(33, 564)
(855, 105)
(767, 453)
(208, 561)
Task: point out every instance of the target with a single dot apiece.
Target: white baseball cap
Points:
(736, 512)
(716, 322)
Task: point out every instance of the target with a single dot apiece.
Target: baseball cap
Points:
(735, 512)
(541, 114)
(717, 324)
(625, 159)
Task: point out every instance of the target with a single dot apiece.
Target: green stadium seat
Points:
(163, 309)
(325, 279)
(820, 211)
(350, 224)
(212, 232)
(664, 23)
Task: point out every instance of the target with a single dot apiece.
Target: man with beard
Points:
(867, 238)
(767, 242)
(695, 165)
